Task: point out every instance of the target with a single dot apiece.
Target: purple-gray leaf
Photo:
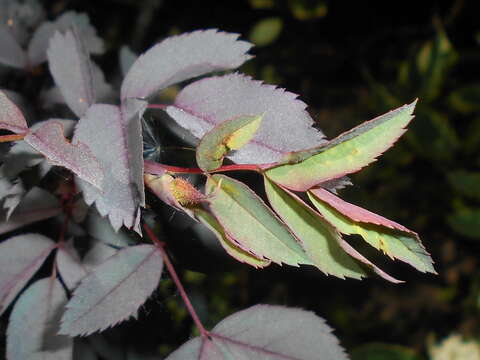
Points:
(114, 136)
(11, 194)
(100, 228)
(11, 54)
(113, 291)
(97, 254)
(21, 17)
(182, 57)
(69, 265)
(286, 126)
(266, 332)
(71, 69)
(37, 205)
(32, 330)
(37, 49)
(20, 258)
(77, 157)
(11, 118)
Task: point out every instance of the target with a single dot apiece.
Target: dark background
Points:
(349, 61)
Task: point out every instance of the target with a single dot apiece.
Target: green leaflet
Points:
(234, 251)
(251, 224)
(343, 155)
(396, 244)
(228, 135)
(319, 239)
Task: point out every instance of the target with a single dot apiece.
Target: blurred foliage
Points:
(349, 62)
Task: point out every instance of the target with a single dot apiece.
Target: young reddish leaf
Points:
(346, 154)
(11, 53)
(226, 136)
(176, 192)
(11, 118)
(77, 157)
(71, 69)
(20, 258)
(286, 126)
(265, 332)
(182, 57)
(114, 136)
(32, 330)
(250, 224)
(22, 156)
(37, 48)
(319, 239)
(113, 291)
(230, 247)
(391, 238)
(69, 265)
(37, 205)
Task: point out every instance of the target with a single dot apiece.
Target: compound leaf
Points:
(71, 69)
(32, 330)
(319, 239)
(11, 118)
(347, 153)
(113, 291)
(115, 139)
(265, 332)
(230, 247)
(182, 57)
(391, 238)
(250, 224)
(226, 136)
(286, 126)
(20, 258)
(77, 157)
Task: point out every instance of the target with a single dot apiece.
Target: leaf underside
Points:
(346, 154)
(11, 118)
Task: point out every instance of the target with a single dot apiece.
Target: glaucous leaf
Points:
(69, 265)
(113, 134)
(265, 332)
(346, 154)
(100, 228)
(391, 238)
(20, 258)
(37, 48)
(37, 205)
(11, 194)
(11, 118)
(250, 224)
(22, 156)
(20, 17)
(183, 57)
(230, 247)
(229, 135)
(98, 253)
(286, 126)
(70, 66)
(32, 330)
(126, 59)
(113, 291)
(76, 157)
(319, 239)
(11, 53)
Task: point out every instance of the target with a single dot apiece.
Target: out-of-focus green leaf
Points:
(228, 135)
(211, 223)
(319, 239)
(381, 233)
(434, 60)
(262, 4)
(432, 136)
(466, 222)
(343, 155)
(308, 10)
(250, 224)
(266, 31)
(466, 182)
(471, 143)
(380, 351)
(466, 99)
(455, 348)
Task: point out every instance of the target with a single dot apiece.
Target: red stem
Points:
(14, 137)
(159, 169)
(157, 106)
(161, 247)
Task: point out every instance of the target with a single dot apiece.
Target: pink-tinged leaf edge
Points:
(11, 118)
